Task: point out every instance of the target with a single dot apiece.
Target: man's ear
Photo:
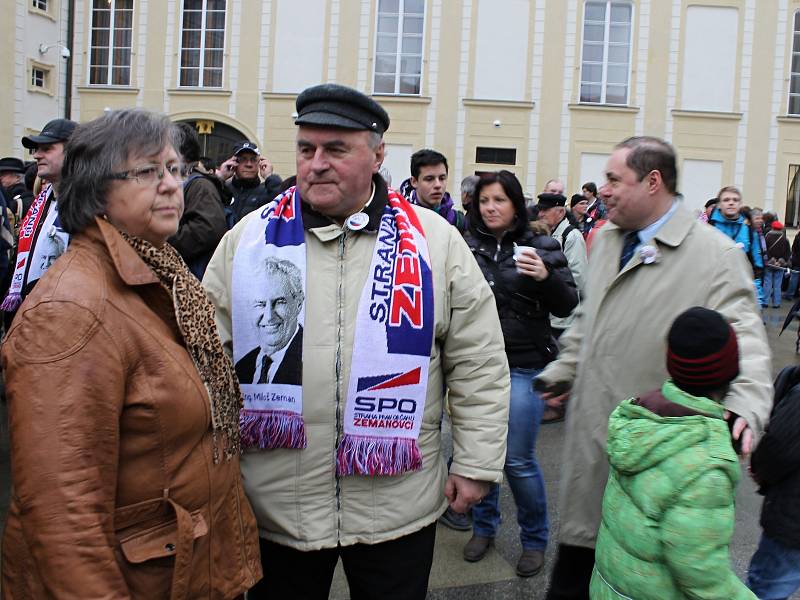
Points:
(380, 154)
(654, 181)
(414, 182)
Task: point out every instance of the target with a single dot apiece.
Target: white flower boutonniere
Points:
(649, 254)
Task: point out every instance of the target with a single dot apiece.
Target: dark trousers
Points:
(393, 570)
(571, 574)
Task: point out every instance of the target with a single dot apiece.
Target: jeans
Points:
(793, 281)
(774, 572)
(773, 278)
(522, 470)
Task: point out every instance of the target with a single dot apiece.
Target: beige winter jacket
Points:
(616, 349)
(297, 497)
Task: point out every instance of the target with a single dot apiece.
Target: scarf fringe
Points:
(360, 455)
(11, 302)
(272, 429)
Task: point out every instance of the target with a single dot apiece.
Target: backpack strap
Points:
(567, 230)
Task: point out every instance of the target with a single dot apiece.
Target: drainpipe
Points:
(68, 83)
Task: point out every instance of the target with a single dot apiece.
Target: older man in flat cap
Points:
(12, 180)
(393, 311)
(554, 214)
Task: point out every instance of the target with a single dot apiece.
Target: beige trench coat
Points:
(297, 497)
(617, 347)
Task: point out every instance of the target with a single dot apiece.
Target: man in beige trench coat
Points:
(650, 263)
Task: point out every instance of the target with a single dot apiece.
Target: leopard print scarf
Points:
(194, 314)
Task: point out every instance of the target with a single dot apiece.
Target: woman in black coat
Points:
(531, 280)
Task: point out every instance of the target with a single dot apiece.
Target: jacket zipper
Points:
(242, 548)
(339, 319)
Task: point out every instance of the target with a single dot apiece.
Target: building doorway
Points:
(216, 139)
(792, 214)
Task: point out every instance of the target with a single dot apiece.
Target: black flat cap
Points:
(11, 165)
(551, 200)
(57, 130)
(333, 105)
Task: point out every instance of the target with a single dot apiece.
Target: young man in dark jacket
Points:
(204, 197)
(775, 567)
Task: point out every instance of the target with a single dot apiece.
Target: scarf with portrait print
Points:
(387, 386)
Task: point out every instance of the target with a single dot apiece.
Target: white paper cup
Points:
(520, 250)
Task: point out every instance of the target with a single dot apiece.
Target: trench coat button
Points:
(170, 547)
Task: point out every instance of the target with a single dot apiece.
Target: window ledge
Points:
(198, 91)
(42, 13)
(604, 107)
(280, 95)
(789, 119)
(402, 98)
(107, 89)
(497, 103)
(707, 114)
(38, 90)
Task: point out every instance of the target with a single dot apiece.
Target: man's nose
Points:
(320, 160)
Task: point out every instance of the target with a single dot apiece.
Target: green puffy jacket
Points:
(668, 509)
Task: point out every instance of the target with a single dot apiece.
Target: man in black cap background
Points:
(310, 514)
(554, 214)
(47, 241)
(244, 172)
(12, 179)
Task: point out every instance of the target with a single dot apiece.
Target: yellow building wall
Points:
(434, 121)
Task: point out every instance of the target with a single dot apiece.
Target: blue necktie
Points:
(631, 241)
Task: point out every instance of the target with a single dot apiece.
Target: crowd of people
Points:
(221, 382)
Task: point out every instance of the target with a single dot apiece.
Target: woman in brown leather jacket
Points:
(123, 407)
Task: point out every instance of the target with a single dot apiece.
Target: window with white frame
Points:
(606, 58)
(111, 40)
(39, 78)
(398, 47)
(794, 80)
(202, 43)
(39, 5)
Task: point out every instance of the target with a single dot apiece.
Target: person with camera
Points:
(250, 180)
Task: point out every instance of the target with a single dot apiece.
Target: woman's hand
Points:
(530, 264)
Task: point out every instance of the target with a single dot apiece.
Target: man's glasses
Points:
(150, 174)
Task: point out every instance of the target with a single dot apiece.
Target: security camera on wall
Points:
(65, 54)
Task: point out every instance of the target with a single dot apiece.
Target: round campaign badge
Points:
(357, 221)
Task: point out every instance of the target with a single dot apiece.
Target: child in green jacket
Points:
(668, 509)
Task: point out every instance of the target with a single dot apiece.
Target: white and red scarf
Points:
(42, 215)
(391, 354)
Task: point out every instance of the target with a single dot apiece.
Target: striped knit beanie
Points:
(702, 352)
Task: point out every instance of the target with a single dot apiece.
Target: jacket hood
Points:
(717, 217)
(639, 439)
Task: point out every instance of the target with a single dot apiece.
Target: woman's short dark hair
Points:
(101, 147)
(513, 189)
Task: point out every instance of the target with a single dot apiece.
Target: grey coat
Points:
(616, 348)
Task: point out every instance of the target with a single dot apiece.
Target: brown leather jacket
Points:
(115, 494)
